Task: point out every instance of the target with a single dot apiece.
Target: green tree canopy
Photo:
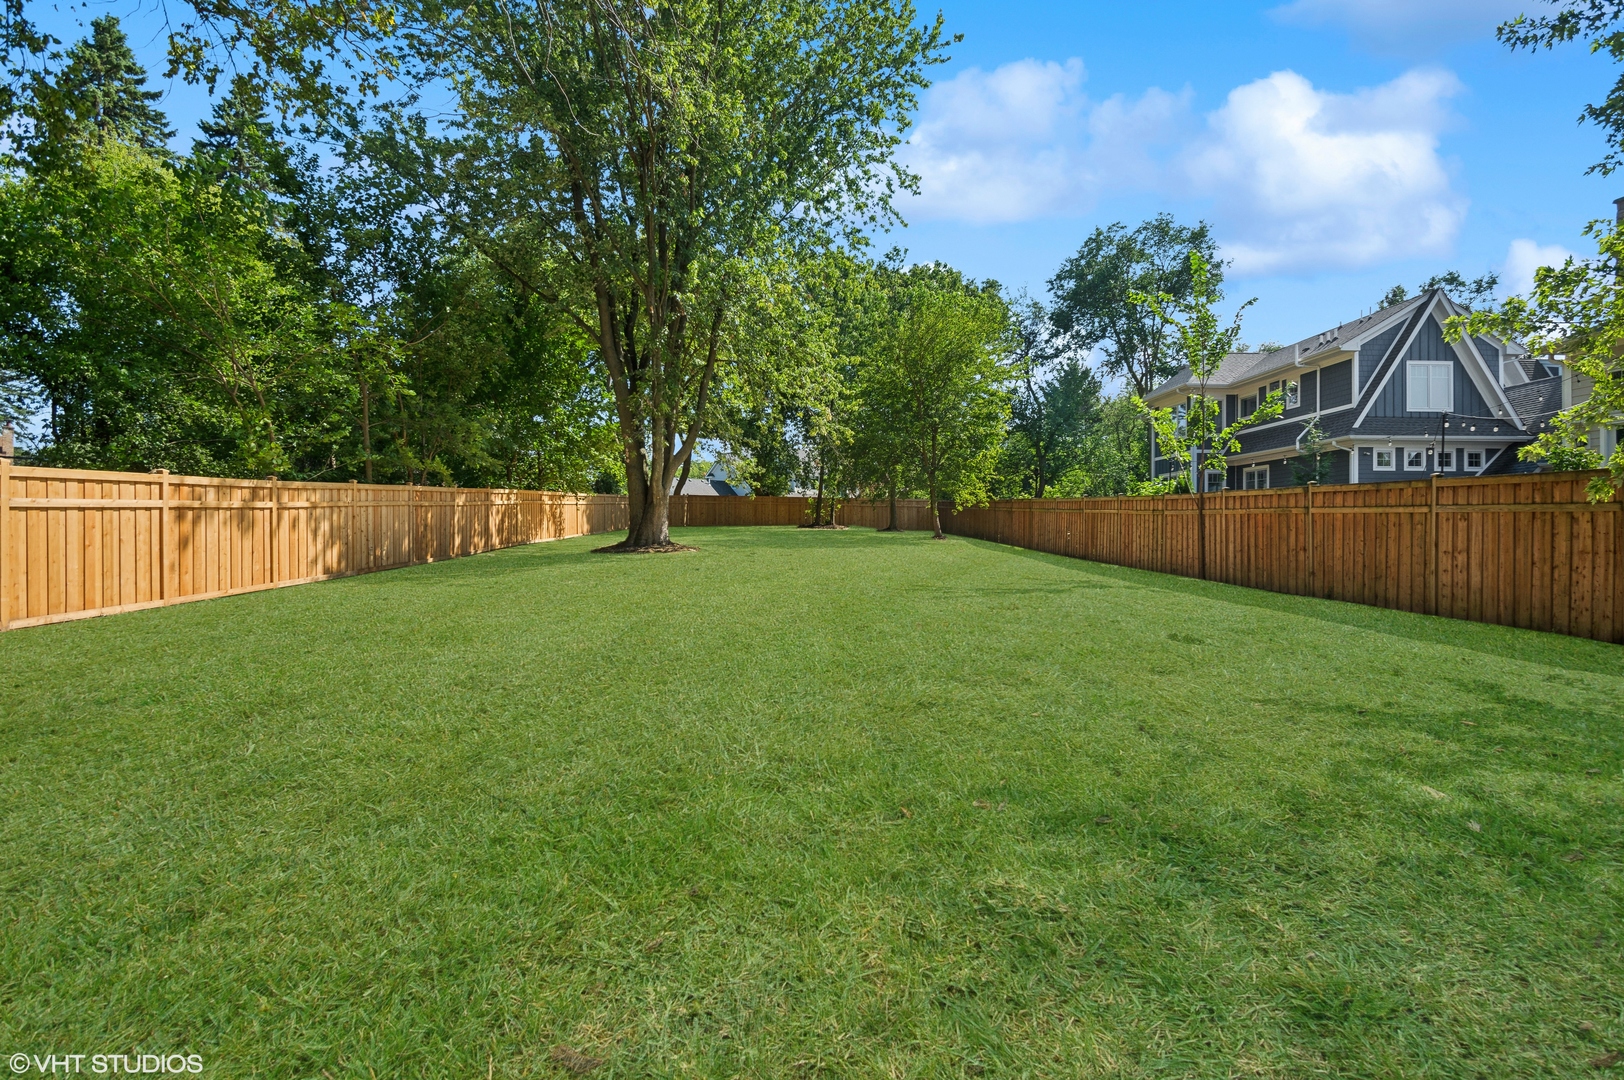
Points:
(100, 87)
(637, 166)
(1054, 403)
(1093, 296)
(1576, 311)
(1598, 22)
(940, 372)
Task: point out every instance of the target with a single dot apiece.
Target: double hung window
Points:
(1432, 386)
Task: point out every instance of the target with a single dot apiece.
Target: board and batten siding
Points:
(1429, 345)
(1372, 351)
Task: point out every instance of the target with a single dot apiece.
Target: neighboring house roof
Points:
(1241, 368)
(706, 486)
(1361, 363)
(714, 482)
(1507, 463)
(1536, 401)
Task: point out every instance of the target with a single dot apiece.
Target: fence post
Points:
(349, 528)
(276, 527)
(5, 542)
(164, 546)
(1312, 591)
(1432, 544)
(411, 525)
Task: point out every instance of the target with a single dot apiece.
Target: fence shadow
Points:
(1490, 639)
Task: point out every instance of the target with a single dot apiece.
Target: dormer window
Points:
(1294, 395)
(1248, 406)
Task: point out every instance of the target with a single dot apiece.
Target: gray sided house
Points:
(1394, 401)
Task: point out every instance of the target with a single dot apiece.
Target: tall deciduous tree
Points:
(941, 370)
(1576, 310)
(1053, 404)
(635, 163)
(1197, 433)
(1093, 296)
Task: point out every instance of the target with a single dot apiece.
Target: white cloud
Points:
(1024, 141)
(1295, 177)
(1523, 258)
(1304, 178)
(1408, 26)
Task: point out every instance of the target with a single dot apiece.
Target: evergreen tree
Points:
(101, 88)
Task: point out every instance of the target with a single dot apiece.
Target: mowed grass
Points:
(810, 804)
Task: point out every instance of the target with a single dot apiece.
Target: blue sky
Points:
(1337, 146)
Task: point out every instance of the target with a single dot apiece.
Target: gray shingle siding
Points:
(1282, 474)
(1372, 351)
(1305, 395)
(1279, 436)
(1368, 473)
(1337, 388)
(1489, 353)
(1339, 468)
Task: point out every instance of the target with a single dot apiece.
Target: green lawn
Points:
(810, 804)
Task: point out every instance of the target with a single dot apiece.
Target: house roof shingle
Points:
(1240, 366)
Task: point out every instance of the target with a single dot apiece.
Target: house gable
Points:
(1423, 340)
(1372, 352)
(1429, 345)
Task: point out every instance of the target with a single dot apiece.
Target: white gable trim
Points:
(1481, 375)
(1420, 314)
(1361, 340)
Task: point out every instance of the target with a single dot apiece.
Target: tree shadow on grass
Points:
(1508, 642)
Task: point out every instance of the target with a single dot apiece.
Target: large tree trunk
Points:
(891, 490)
(936, 510)
(650, 518)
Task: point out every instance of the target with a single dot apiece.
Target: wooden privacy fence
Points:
(1525, 551)
(696, 510)
(76, 543)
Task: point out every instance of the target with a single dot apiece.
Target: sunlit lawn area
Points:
(810, 804)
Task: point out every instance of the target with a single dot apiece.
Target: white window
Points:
(1294, 395)
(1446, 460)
(1384, 459)
(1474, 459)
(1415, 459)
(1432, 386)
(1255, 477)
